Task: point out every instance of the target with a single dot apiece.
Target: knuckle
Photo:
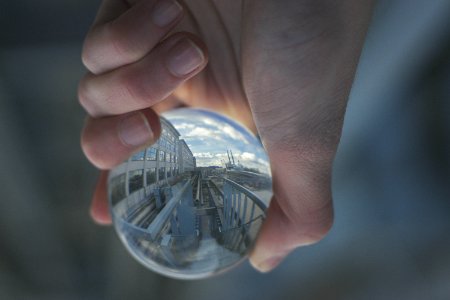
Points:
(86, 59)
(126, 86)
(83, 96)
(92, 151)
(88, 56)
(88, 145)
(131, 88)
(117, 39)
(317, 224)
(309, 223)
(104, 42)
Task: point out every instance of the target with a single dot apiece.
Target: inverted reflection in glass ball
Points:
(191, 205)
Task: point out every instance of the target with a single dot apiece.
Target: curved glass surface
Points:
(191, 205)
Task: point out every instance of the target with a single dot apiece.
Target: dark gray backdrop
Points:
(391, 238)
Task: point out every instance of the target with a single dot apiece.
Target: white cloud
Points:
(200, 132)
(247, 156)
(210, 138)
(182, 126)
(203, 155)
(234, 134)
(211, 122)
(224, 128)
(206, 162)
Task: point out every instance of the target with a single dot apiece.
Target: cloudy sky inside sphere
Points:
(210, 135)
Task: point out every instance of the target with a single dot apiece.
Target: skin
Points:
(283, 68)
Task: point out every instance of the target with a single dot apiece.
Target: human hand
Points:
(282, 68)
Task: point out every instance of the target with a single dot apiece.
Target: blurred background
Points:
(391, 237)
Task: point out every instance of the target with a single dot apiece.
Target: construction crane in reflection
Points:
(231, 165)
(244, 175)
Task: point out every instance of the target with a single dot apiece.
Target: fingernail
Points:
(134, 130)
(268, 264)
(165, 12)
(184, 58)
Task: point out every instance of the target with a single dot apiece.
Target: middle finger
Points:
(146, 82)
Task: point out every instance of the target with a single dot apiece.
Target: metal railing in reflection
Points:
(143, 246)
(166, 214)
(239, 239)
(170, 231)
(242, 211)
(185, 232)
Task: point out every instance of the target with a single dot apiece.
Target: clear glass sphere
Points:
(191, 205)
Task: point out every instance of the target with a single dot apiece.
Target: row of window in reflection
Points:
(154, 154)
(157, 165)
(151, 154)
(143, 169)
(137, 179)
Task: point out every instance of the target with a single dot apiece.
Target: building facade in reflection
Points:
(153, 167)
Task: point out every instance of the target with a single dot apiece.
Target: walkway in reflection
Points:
(203, 220)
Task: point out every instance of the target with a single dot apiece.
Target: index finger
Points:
(123, 33)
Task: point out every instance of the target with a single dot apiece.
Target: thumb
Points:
(300, 214)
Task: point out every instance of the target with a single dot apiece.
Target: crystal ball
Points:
(190, 206)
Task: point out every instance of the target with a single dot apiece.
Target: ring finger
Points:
(122, 35)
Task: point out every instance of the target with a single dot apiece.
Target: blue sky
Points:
(210, 135)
